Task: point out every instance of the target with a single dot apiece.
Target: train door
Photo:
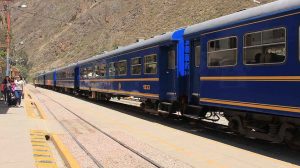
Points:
(169, 72)
(195, 72)
(54, 79)
(76, 78)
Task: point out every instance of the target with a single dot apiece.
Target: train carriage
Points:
(50, 79)
(66, 78)
(149, 70)
(40, 80)
(247, 65)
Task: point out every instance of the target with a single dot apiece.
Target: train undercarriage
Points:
(273, 128)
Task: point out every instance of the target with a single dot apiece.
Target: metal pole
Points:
(6, 8)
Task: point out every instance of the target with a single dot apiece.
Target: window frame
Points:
(109, 69)
(100, 65)
(119, 68)
(172, 49)
(150, 63)
(90, 69)
(131, 66)
(197, 43)
(82, 70)
(236, 55)
(264, 64)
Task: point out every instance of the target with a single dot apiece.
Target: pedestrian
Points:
(19, 89)
(5, 87)
(24, 83)
(11, 92)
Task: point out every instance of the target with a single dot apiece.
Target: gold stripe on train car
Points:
(123, 80)
(122, 92)
(251, 78)
(252, 105)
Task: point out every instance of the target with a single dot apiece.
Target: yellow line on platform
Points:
(41, 151)
(64, 152)
(28, 105)
(32, 99)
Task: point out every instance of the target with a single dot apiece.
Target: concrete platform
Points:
(15, 144)
(22, 138)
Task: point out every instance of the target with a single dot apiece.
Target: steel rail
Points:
(106, 134)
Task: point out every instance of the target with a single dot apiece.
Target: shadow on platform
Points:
(3, 107)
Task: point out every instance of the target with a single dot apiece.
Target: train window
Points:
(269, 47)
(150, 63)
(171, 59)
(253, 39)
(69, 74)
(197, 51)
(90, 72)
(100, 70)
(122, 68)
(222, 52)
(112, 69)
(72, 74)
(97, 68)
(136, 66)
(83, 74)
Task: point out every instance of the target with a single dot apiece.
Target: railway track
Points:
(81, 145)
(208, 130)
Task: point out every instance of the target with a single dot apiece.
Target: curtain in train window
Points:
(112, 69)
(150, 63)
(122, 68)
(97, 69)
(100, 70)
(222, 52)
(136, 66)
(171, 59)
(265, 47)
(197, 51)
(83, 74)
(90, 72)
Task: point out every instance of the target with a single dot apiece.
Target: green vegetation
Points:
(20, 61)
(2, 63)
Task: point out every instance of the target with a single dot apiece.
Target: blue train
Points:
(244, 66)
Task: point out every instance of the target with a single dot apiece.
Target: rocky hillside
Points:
(57, 32)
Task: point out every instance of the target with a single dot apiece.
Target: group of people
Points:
(12, 89)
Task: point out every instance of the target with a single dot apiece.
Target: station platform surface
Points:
(15, 144)
(22, 138)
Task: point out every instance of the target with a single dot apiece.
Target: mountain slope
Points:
(55, 32)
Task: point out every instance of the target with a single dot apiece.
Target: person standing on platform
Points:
(19, 89)
(5, 87)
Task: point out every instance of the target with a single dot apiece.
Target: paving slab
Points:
(15, 145)
(15, 136)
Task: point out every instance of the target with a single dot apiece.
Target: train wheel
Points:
(143, 106)
(294, 142)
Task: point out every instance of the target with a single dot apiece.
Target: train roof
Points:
(171, 36)
(48, 72)
(65, 67)
(274, 7)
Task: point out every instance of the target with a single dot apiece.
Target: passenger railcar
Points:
(50, 79)
(247, 65)
(66, 78)
(148, 70)
(40, 80)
